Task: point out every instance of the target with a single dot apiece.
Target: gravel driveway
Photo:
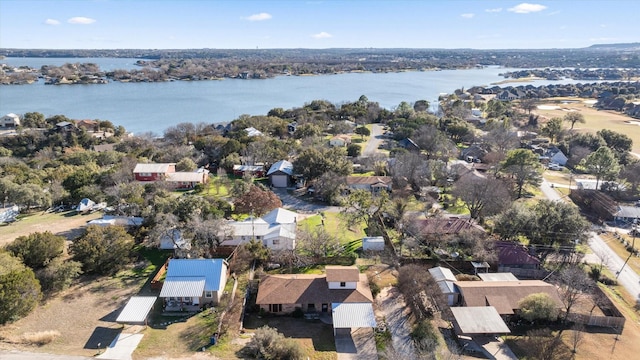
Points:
(391, 307)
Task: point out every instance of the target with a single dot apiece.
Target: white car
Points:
(554, 166)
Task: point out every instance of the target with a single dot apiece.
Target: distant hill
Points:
(623, 46)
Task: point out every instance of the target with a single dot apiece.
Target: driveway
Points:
(391, 307)
(122, 347)
(375, 140)
(356, 344)
(294, 203)
(495, 348)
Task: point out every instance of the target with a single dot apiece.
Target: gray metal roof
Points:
(353, 315)
(479, 320)
(136, 310)
(440, 273)
(183, 287)
(505, 276)
(282, 165)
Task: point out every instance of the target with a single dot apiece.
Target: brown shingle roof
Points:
(307, 288)
(368, 180)
(337, 273)
(504, 295)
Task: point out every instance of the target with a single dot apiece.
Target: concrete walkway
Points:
(122, 347)
(495, 348)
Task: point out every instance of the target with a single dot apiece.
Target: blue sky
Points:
(164, 24)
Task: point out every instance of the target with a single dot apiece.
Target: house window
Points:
(343, 284)
(274, 308)
(208, 294)
(276, 242)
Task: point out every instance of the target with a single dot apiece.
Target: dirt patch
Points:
(84, 315)
(69, 225)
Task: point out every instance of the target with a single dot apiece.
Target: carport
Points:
(352, 315)
(136, 310)
(476, 320)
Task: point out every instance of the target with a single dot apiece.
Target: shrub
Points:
(58, 275)
(37, 249)
(538, 306)
(425, 336)
(297, 313)
(267, 343)
(40, 338)
(19, 289)
(103, 251)
(375, 288)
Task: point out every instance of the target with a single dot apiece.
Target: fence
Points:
(525, 273)
(615, 319)
(156, 283)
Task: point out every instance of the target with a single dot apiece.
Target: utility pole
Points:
(634, 229)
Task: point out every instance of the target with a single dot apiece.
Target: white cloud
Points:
(494, 10)
(322, 35)
(526, 8)
(81, 20)
(52, 22)
(258, 17)
(468, 15)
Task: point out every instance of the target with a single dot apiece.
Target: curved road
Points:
(627, 277)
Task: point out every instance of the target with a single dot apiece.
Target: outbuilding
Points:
(373, 243)
(280, 174)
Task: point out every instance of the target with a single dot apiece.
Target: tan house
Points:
(282, 294)
(341, 140)
(505, 296)
(373, 184)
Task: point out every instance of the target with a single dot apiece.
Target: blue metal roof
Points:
(213, 270)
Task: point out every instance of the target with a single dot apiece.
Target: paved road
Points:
(627, 277)
(23, 355)
(374, 140)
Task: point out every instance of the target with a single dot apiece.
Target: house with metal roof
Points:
(153, 171)
(193, 283)
(446, 282)
(341, 292)
(276, 230)
(280, 174)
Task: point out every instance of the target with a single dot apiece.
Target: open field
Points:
(595, 119)
(335, 226)
(68, 224)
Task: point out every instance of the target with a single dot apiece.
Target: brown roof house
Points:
(514, 255)
(342, 292)
(504, 295)
(373, 184)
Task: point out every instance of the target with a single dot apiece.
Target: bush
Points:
(37, 249)
(103, 251)
(40, 338)
(425, 336)
(19, 289)
(267, 343)
(58, 275)
(297, 313)
(538, 306)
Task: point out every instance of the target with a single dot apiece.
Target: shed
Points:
(373, 243)
(136, 310)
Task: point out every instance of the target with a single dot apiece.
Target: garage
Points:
(280, 174)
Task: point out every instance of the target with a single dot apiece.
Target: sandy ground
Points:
(68, 226)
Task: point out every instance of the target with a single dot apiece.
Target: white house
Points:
(280, 174)
(10, 120)
(194, 282)
(276, 230)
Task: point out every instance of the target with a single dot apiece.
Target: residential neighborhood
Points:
(499, 223)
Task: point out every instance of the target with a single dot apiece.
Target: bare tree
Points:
(317, 242)
(574, 282)
(577, 335)
(483, 196)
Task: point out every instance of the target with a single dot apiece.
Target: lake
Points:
(153, 107)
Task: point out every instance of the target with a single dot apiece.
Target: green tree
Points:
(362, 131)
(186, 164)
(524, 167)
(19, 289)
(553, 129)
(603, 164)
(312, 162)
(58, 274)
(33, 120)
(354, 150)
(538, 306)
(103, 250)
(621, 144)
(573, 118)
(37, 249)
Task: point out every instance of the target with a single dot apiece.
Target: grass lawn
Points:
(65, 224)
(334, 226)
(620, 250)
(595, 119)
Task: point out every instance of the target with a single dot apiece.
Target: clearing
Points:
(68, 224)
